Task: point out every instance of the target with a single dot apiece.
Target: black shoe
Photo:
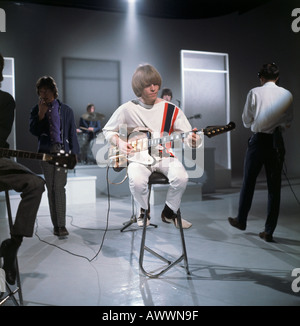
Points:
(60, 231)
(235, 223)
(266, 236)
(185, 224)
(8, 251)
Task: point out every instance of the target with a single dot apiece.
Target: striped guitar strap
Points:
(169, 117)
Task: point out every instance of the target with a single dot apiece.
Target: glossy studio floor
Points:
(97, 265)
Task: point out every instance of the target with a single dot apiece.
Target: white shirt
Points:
(132, 115)
(268, 107)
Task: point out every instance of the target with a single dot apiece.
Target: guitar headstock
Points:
(63, 160)
(211, 131)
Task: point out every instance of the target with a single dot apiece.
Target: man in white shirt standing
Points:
(267, 112)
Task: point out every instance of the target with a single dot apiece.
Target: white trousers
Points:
(172, 168)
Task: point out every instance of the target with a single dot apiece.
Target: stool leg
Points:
(9, 214)
(149, 194)
(132, 219)
(183, 242)
(10, 222)
(19, 283)
(170, 264)
(142, 249)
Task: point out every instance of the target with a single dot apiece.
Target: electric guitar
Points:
(64, 160)
(142, 143)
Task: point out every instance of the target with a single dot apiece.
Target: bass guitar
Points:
(142, 143)
(64, 160)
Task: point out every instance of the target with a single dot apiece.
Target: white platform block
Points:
(79, 190)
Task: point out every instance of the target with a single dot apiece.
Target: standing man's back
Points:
(267, 112)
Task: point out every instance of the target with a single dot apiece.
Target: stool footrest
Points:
(10, 295)
(164, 270)
(154, 253)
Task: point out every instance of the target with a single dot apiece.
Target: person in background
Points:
(89, 128)
(15, 176)
(53, 123)
(166, 94)
(267, 112)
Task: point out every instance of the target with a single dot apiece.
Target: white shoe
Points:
(140, 221)
(185, 223)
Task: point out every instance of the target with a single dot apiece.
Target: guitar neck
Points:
(165, 139)
(212, 131)
(5, 152)
(209, 131)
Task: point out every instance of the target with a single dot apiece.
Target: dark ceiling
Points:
(179, 9)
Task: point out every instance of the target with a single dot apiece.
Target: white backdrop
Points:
(8, 85)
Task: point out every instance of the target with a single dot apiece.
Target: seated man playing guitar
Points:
(14, 176)
(153, 114)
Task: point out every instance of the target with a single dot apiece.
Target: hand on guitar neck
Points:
(194, 139)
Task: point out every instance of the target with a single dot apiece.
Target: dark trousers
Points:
(263, 150)
(56, 180)
(14, 176)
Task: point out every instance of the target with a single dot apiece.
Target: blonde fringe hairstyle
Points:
(144, 76)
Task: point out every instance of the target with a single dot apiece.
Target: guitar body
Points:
(143, 145)
(140, 153)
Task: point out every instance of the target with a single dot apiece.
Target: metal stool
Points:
(10, 293)
(159, 178)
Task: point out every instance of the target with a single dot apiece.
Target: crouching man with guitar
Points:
(14, 176)
(146, 114)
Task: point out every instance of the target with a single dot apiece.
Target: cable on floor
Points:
(105, 230)
(285, 174)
